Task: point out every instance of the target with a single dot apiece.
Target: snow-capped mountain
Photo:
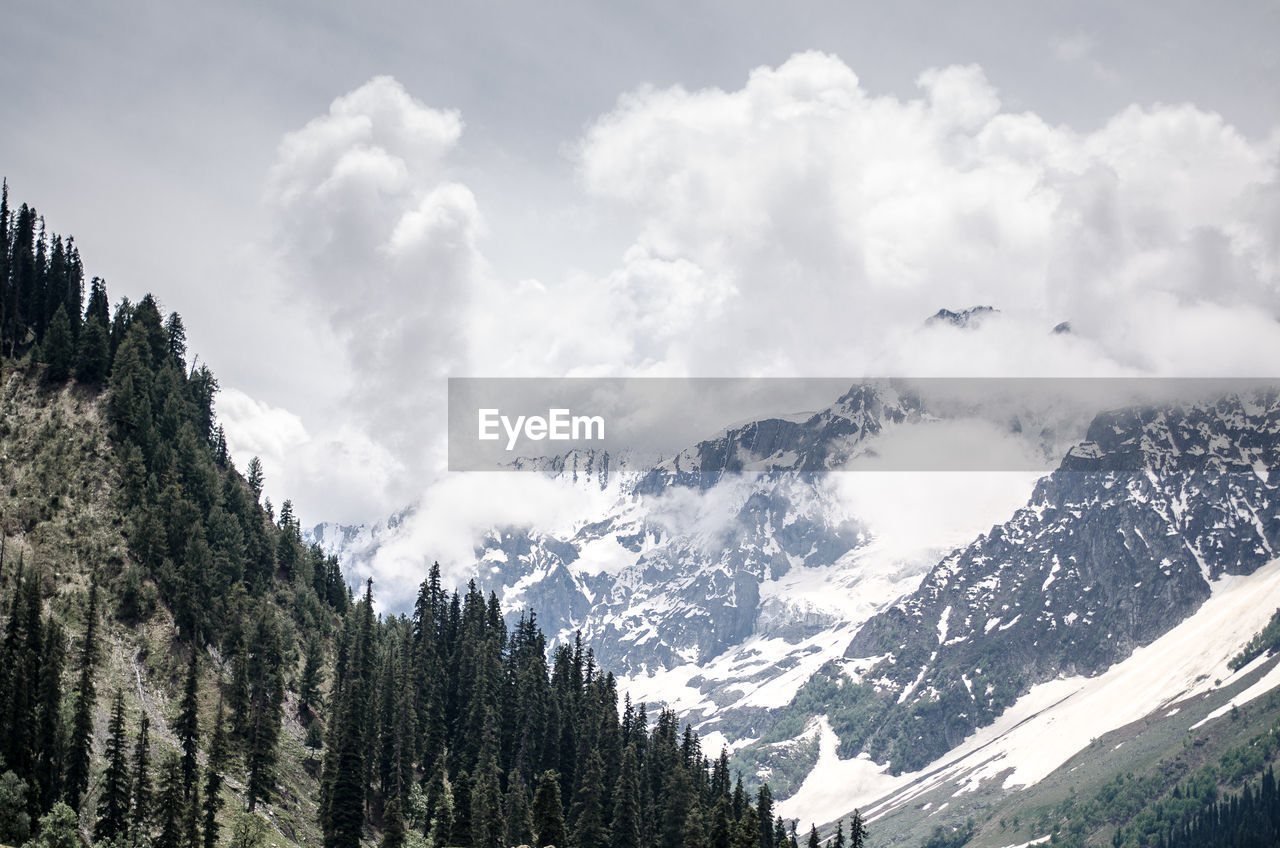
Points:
(738, 583)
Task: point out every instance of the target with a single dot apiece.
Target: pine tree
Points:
(487, 829)
(517, 813)
(172, 797)
(266, 696)
(588, 806)
(461, 834)
(838, 840)
(674, 803)
(548, 812)
(625, 832)
(344, 809)
(59, 348)
(59, 828)
(82, 722)
(191, 816)
(312, 677)
(141, 780)
(51, 742)
(113, 805)
(813, 837)
(721, 831)
(213, 780)
(695, 830)
(747, 833)
(176, 335)
(857, 830)
(254, 477)
(393, 826)
(15, 821)
(441, 818)
(764, 812)
(22, 655)
(92, 352)
(187, 725)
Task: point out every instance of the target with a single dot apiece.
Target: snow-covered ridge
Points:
(1059, 718)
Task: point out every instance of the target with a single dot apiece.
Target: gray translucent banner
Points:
(728, 425)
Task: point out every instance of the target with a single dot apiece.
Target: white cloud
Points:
(372, 237)
(799, 225)
(832, 222)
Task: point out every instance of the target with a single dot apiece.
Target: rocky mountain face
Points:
(673, 573)
(731, 582)
(1115, 547)
(965, 318)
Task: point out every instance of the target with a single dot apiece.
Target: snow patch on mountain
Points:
(1057, 719)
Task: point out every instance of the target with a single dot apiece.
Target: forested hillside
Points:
(179, 669)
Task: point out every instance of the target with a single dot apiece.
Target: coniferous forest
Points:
(440, 728)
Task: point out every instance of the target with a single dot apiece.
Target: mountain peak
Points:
(965, 318)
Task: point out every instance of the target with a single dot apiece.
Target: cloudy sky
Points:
(349, 206)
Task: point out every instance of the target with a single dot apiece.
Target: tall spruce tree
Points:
(764, 811)
(187, 725)
(81, 742)
(141, 816)
(213, 779)
(113, 805)
(266, 697)
(51, 741)
(625, 832)
(589, 829)
(548, 812)
(59, 351)
(517, 812)
(857, 830)
(172, 804)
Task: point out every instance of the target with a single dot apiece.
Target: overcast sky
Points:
(349, 206)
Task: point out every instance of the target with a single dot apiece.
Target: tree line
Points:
(440, 728)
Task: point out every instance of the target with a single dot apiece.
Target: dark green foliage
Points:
(93, 352)
(764, 810)
(141, 815)
(50, 734)
(20, 658)
(548, 812)
(81, 742)
(172, 807)
(625, 832)
(953, 838)
(113, 804)
(1250, 817)
(1265, 641)
(857, 830)
(588, 807)
(312, 677)
(59, 828)
(487, 825)
(213, 780)
(58, 351)
(15, 821)
(187, 725)
(254, 475)
(266, 697)
(517, 813)
(695, 833)
(393, 826)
